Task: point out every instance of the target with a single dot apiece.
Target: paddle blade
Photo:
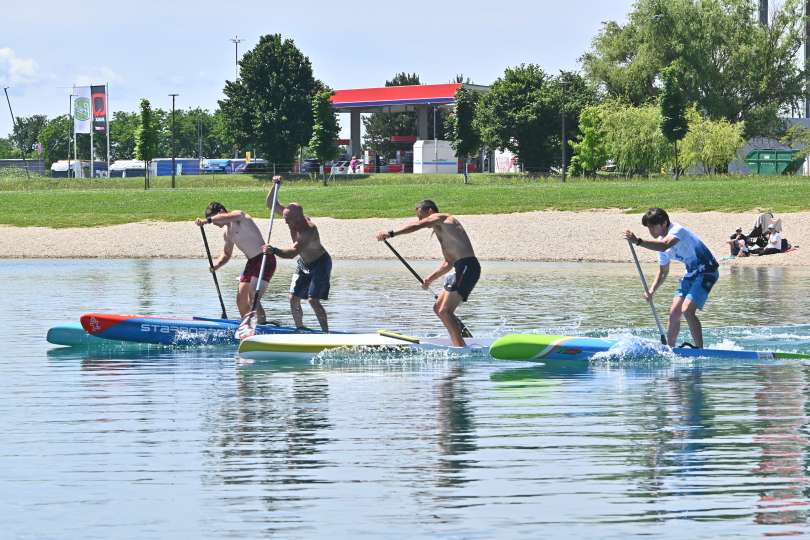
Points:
(247, 327)
(465, 332)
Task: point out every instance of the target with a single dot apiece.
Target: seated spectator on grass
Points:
(774, 244)
(738, 244)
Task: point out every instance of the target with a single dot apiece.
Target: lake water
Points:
(194, 444)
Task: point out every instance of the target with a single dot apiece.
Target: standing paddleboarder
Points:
(458, 255)
(673, 241)
(313, 272)
(241, 231)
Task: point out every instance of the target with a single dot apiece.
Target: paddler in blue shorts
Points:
(458, 255)
(313, 271)
(673, 241)
(241, 231)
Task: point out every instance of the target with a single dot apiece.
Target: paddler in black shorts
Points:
(313, 271)
(458, 254)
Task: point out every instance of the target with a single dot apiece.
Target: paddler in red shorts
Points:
(241, 231)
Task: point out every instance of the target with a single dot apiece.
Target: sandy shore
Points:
(532, 236)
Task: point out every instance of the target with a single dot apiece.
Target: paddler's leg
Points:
(243, 298)
(320, 312)
(261, 316)
(674, 327)
(297, 312)
(690, 314)
(445, 308)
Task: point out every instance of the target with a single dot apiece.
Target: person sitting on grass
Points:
(738, 244)
(774, 244)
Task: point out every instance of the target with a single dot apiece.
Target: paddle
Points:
(213, 273)
(465, 332)
(247, 327)
(647, 291)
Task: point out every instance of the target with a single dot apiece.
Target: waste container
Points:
(769, 161)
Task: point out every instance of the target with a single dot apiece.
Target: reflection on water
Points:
(193, 443)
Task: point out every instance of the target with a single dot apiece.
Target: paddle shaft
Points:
(213, 273)
(264, 256)
(647, 292)
(465, 332)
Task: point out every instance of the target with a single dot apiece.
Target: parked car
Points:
(311, 165)
(254, 167)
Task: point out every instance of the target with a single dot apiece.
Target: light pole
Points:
(174, 167)
(236, 41)
(14, 123)
(70, 135)
(562, 117)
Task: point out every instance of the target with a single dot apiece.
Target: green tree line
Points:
(681, 83)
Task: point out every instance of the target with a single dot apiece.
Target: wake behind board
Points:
(170, 330)
(543, 347)
(307, 346)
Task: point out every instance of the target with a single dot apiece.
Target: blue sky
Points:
(150, 49)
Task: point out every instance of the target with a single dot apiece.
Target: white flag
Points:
(82, 117)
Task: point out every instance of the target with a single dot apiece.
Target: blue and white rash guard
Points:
(689, 250)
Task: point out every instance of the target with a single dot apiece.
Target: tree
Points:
(712, 143)
(673, 111)
(269, 107)
(633, 138)
(523, 110)
(55, 139)
(8, 150)
(146, 138)
(123, 127)
(462, 132)
(731, 65)
(590, 151)
(325, 128)
(26, 131)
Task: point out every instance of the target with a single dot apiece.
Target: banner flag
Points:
(81, 110)
(99, 96)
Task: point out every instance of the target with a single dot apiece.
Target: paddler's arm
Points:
(269, 202)
(652, 244)
(227, 252)
(224, 218)
(289, 253)
(429, 221)
(660, 276)
(440, 271)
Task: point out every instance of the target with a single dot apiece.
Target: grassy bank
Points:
(69, 203)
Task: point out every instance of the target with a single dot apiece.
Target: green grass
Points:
(71, 203)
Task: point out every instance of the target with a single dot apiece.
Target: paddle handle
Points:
(264, 256)
(213, 273)
(647, 291)
(465, 332)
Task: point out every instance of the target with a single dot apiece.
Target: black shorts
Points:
(312, 280)
(464, 279)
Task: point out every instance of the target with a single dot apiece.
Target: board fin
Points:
(389, 333)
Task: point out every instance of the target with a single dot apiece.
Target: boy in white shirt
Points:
(673, 241)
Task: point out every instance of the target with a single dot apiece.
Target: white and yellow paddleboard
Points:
(306, 346)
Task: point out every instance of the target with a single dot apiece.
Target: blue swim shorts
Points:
(696, 287)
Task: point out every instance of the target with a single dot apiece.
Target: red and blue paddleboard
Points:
(170, 330)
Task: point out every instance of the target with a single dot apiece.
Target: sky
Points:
(149, 49)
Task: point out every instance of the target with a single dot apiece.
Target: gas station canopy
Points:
(397, 98)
